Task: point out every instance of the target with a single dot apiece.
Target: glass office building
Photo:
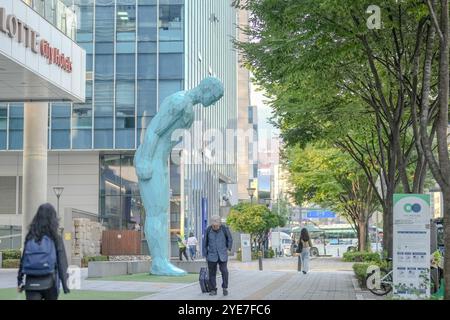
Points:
(138, 52)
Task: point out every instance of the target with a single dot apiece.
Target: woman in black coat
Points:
(44, 227)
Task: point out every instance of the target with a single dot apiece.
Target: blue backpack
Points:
(39, 257)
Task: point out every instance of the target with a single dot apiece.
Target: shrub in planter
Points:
(11, 263)
(361, 256)
(85, 261)
(11, 254)
(269, 253)
(239, 255)
(360, 270)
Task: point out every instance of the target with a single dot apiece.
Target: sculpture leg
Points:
(156, 231)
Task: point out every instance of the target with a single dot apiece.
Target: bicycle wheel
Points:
(385, 285)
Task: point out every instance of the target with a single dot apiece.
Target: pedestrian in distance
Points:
(293, 247)
(192, 245)
(304, 246)
(44, 260)
(181, 247)
(216, 244)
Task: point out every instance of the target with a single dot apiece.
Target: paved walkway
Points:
(329, 279)
(273, 285)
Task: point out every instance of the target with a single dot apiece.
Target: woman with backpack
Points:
(44, 260)
(304, 245)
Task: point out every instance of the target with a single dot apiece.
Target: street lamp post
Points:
(58, 190)
(251, 193)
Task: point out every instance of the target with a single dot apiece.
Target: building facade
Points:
(138, 52)
(247, 152)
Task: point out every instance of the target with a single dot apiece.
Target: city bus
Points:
(329, 240)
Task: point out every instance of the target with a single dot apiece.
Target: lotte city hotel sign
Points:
(37, 61)
(22, 33)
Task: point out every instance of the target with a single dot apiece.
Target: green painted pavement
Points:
(145, 277)
(11, 294)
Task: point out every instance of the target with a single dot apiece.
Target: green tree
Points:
(331, 78)
(327, 177)
(254, 219)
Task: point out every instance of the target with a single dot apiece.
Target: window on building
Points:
(104, 61)
(104, 21)
(126, 20)
(60, 126)
(171, 66)
(171, 21)
(147, 21)
(146, 96)
(125, 65)
(8, 195)
(15, 126)
(250, 114)
(3, 125)
(85, 14)
(120, 203)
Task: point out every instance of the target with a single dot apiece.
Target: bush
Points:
(11, 263)
(361, 256)
(239, 255)
(11, 254)
(269, 253)
(360, 269)
(85, 261)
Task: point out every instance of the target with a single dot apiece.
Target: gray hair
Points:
(215, 220)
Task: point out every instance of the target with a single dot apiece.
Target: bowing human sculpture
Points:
(151, 164)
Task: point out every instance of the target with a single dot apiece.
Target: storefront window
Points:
(120, 202)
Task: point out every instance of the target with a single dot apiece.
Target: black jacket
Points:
(216, 244)
(62, 266)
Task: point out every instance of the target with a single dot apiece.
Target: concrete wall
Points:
(78, 172)
(97, 269)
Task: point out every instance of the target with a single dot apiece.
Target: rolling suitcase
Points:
(203, 279)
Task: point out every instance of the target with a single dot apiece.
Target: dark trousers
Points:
(49, 294)
(182, 252)
(212, 267)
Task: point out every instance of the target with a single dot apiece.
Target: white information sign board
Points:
(411, 246)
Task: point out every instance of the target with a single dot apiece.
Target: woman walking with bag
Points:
(44, 260)
(304, 245)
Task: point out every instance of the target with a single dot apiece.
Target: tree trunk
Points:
(362, 235)
(388, 215)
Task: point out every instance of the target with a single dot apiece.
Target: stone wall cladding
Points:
(87, 238)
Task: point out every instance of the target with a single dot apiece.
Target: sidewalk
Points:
(273, 285)
(329, 279)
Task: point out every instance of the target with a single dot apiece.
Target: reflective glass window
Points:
(171, 66)
(126, 20)
(15, 126)
(125, 66)
(60, 126)
(104, 21)
(147, 23)
(146, 103)
(3, 125)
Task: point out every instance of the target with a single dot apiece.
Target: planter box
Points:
(98, 269)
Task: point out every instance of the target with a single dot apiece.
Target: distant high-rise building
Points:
(247, 151)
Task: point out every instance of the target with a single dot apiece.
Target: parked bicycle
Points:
(386, 281)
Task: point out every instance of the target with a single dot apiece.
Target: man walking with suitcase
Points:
(215, 245)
